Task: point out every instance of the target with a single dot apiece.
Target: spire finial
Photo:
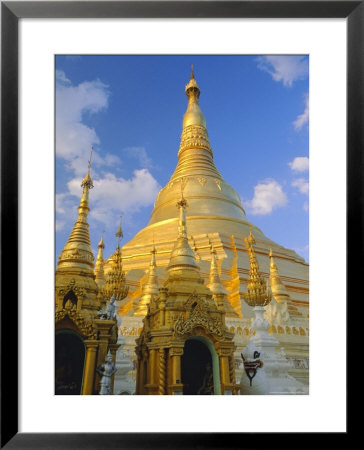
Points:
(89, 161)
(101, 243)
(87, 181)
(119, 231)
(192, 74)
(115, 279)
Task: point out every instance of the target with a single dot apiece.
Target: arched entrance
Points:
(200, 368)
(69, 363)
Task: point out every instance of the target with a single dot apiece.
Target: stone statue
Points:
(207, 387)
(106, 370)
(109, 313)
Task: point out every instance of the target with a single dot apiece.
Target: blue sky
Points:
(130, 108)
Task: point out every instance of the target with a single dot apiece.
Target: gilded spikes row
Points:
(259, 293)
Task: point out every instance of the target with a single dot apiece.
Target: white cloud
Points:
(303, 118)
(301, 184)
(111, 196)
(268, 196)
(299, 164)
(140, 154)
(73, 138)
(286, 69)
(61, 78)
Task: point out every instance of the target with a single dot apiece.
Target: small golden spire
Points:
(101, 243)
(87, 181)
(115, 279)
(99, 265)
(77, 253)
(193, 115)
(258, 293)
(119, 232)
(278, 288)
(182, 255)
(192, 74)
(150, 288)
(215, 284)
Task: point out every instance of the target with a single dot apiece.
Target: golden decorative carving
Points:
(258, 292)
(72, 286)
(86, 327)
(162, 372)
(198, 317)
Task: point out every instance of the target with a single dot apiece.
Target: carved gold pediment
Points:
(86, 327)
(199, 317)
(72, 286)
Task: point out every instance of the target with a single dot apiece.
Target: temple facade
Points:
(182, 281)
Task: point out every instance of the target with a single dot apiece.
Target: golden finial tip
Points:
(101, 243)
(119, 231)
(87, 181)
(270, 252)
(192, 86)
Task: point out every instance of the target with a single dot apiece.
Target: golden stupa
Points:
(83, 337)
(216, 220)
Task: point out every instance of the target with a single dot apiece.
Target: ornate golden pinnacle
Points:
(115, 280)
(258, 293)
(87, 181)
(119, 231)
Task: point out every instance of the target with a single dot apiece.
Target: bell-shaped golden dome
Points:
(213, 203)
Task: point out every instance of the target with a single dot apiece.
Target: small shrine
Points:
(185, 347)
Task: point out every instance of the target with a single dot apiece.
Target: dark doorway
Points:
(196, 367)
(69, 361)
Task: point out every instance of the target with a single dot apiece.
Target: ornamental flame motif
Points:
(115, 284)
(259, 293)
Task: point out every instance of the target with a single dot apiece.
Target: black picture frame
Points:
(11, 12)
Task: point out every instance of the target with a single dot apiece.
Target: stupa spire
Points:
(182, 255)
(99, 265)
(77, 253)
(150, 288)
(207, 192)
(152, 285)
(119, 232)
(258, 293)
(115, 284)
(215, 284)
(278, 288)
(195, 153)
